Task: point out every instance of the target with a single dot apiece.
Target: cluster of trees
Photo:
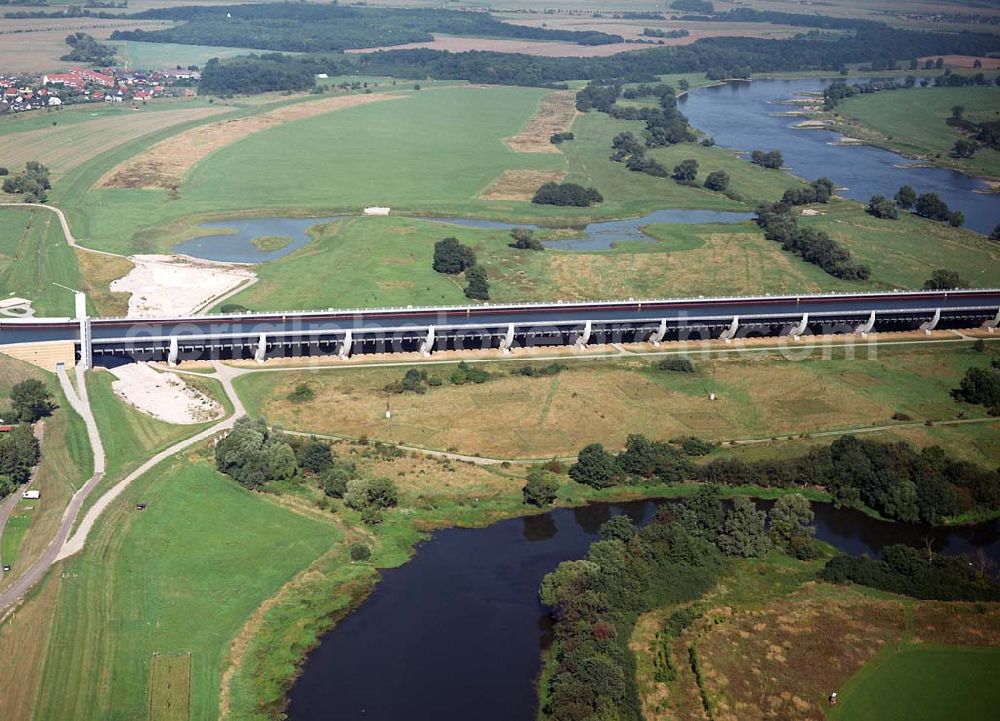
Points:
(717, 180)
(895, 479)
(566, 194)
(675, 558)
(19, 452)
(986, 132)
(309, 28)
(982, 387)
(665, 125)
(907, 571)
(540, 371)
(881, 207)
(32, 183)
(767, 159)
(417, 380)
(943, 279)
(85, 49)
(813, 245)
(267, 72)
(560, 138)
(452, 257)
(252, 454)
(524, 239)
(693, 6)
(839, 90)
(931, 206)
(676, 365)
(642, 461)
(818, 191)
(660, 33)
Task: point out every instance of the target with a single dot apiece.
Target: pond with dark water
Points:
(456, 633)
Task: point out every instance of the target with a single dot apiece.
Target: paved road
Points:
(10, 597)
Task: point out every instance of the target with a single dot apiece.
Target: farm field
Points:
(924, 683)
(604, 401)
(165, 564)
(912, 122)
(165, 56)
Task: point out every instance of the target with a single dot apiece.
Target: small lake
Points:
(236, 245)
(456, 633)
(742, 115)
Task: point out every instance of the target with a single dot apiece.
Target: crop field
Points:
(924, 683)
(170, 687)
(155, 576)
(62, 148)
(162, 56)
(912, 122)
(604, 401)
(35, 45)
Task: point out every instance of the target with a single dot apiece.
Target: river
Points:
(456, 633)
(743, 116)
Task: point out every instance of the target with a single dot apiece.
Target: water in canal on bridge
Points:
(456, 633)
(743, 115)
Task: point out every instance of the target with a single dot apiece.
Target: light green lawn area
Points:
(180, 577)
(33, 255)
(919, 682)
(902, 253)
(912, 122)
(166, 56)
(15, 530)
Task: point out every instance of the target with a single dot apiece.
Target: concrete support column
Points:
(865, 328)
(729, 333)
(173, 353)
(508, 340)
(260, 355)
(991, 324)
(798, 330)
(584, 337)
(86, 342)
(930, 325)
(346, 346)
(427, 345)
(659, 334)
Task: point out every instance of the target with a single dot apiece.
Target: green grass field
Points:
(180, 577)
(33, 256)
(924, 683)
(159, 56)
(912, 122)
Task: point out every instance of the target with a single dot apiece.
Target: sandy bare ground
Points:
(163, 395)
(520, 184)
(542, 48)
(165, 164)
(556, 114)
(64, 147)
(168, 285)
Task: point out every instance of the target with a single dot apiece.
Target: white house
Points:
(376, 210)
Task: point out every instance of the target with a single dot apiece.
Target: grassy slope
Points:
(33, 255)
(603, 401)
(924, 683)
(181, 576)
(912, 122)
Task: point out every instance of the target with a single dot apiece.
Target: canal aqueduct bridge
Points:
(503, 327)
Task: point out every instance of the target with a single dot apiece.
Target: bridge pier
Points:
(508, 340)
(990, 325)
(427, 345)
(346, 346)
(659, 334)
(260, 354)
(930, 325)
(173, 353)
(86, 342)
(729, 333)
(584, 337)
(865, 328)
(798, 330)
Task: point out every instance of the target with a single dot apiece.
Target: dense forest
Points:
(332, 28)
(718, 57)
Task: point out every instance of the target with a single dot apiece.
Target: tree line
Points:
(29, 401)
(893, 478)
(32, 183)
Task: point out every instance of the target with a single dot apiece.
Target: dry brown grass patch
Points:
(520, 184)
(966, 624)
(756, 670)
(24, 642)
(98, 271)
(165, 164)
(556, 114)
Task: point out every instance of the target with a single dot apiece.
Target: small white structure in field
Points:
(32, 495)
(712, 397)
(376, 210)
